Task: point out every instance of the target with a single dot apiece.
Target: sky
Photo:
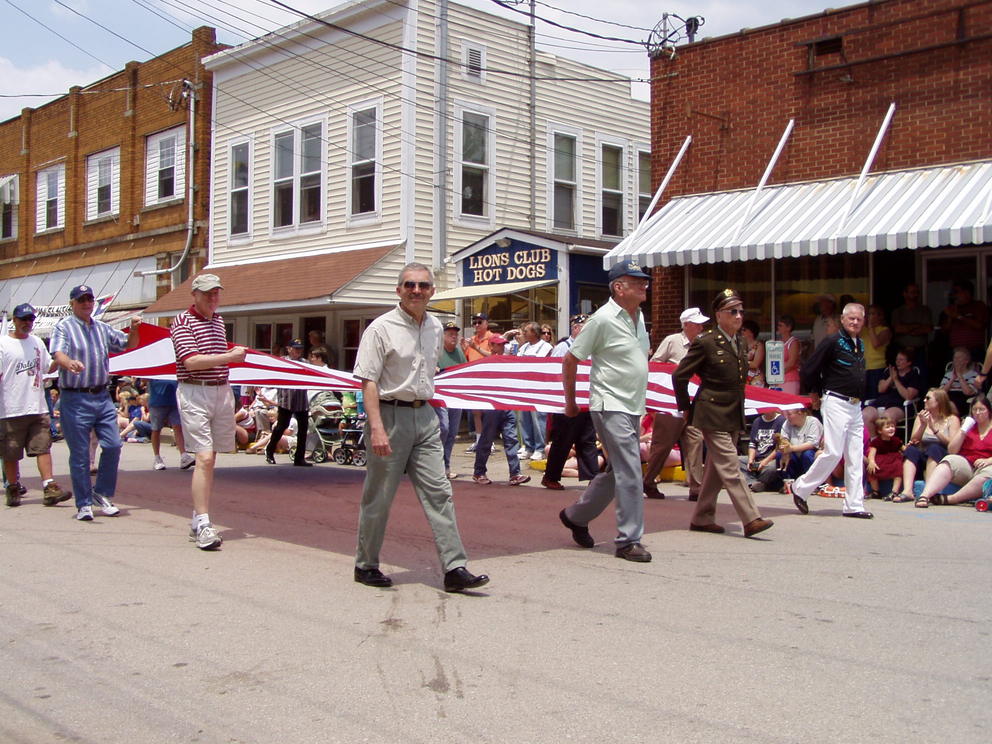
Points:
(76, 42)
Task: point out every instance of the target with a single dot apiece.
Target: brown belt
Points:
(407, 403)
(205, 383)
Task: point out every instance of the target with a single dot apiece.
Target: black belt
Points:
(845, 398)
(407, 403)
(93, 390)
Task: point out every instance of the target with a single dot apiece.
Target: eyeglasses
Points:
(478, 321)
(644, 283)
(422, 286)
(735, 311)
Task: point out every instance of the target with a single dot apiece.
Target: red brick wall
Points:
(735, 95)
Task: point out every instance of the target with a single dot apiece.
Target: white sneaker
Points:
(85, 514)
(186, 461)
(206, 537)
(106, 506)
(524, 454)
(159, 463)
(537, 456)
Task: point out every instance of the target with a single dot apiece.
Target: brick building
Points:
(923, 213)
(94, 186)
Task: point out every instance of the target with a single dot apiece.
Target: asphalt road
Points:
(824, 630)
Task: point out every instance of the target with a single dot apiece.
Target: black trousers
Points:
(282, 423)
(568, 432)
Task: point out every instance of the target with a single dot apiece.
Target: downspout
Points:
(441, 140)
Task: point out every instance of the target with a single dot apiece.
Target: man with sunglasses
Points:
(24, 418)
(719, 358)
(81, 345)
(397, 357)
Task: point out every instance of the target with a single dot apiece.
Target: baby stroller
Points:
(352, 443)
(325, 419)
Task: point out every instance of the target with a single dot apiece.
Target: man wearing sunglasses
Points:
(719, 358)
(24, 419)
(396, 360)
(81, 345)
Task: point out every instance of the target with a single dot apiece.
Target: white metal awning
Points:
(490, 290)
(918, 208)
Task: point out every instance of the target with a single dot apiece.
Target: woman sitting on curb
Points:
(935, 427)
(969, 463)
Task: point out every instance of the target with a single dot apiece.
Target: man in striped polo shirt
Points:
(81, 347)
(205, 398)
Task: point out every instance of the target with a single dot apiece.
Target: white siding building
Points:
(386, 131)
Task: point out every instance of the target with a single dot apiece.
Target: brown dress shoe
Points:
(755, 526)
(552, 484)
(634, 552)
(714, 528)
(651, 491)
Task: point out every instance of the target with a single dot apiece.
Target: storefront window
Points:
(509, 311)
(751, 279)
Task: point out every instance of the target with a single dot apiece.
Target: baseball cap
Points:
(692, 315)
(24, 310)
(627, 268)
(206, 282)
(580, 318)
(451, 326)
(497, 339)
(81, 291)
(294, 344)
(480, 316)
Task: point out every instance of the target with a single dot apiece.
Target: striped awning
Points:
(919, 208)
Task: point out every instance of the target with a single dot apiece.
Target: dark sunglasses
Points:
(735, 311)
(476, 322)
(422, 286)
(28, 319)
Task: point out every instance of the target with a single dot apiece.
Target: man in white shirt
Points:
(24, 421)
(533, 423)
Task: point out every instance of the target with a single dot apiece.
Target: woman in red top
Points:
(969, 463)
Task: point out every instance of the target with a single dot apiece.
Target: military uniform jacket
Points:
(722, 369)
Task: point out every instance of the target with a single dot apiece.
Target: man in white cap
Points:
(205, 398)
(670, 429)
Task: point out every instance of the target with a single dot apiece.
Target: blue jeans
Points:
(533, 424)
(799, 463)
(506, 424)
(450, 420)
(81, 414)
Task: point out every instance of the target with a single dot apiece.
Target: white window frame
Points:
(99, 163)
(488, 217)
(564, 131)
(621, 145)
(233, 190)
(153, 166)
(468, 47)
(375, 215)
(10, 199)
(44, 196)
(646, 195)
(294, 226)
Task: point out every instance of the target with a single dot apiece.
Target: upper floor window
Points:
(364, 154)
(103, 184)
(238, 188)
(611, 190)
(644, 193)
(50, 210)
(296, 177)
(165, 166)
(9, 199)
(474, 62)
(564, 181)
(475, 172)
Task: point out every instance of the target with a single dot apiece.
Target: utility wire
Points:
(591, 18)
(506, 5)
(67, 41)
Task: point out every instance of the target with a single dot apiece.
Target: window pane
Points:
(311, 149)
(564, 206)
(282, 204)
(166, 182)
(642, 205)
(7, 221)
(167, 152)
(473, 191)
(239, 212)
(239, 166)
(611, 168)
(474, 138)
(644, 172)
(564, 158)
(364, 135)
(51, 213)
(284, 155)
(310, 198)
(612, 209)
(363, 188)
(103, 199)
(105, 170)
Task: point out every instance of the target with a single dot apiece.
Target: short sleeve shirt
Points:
(672, 349)
(400, 355)
(23, 364)
(194, 334)
(89, 343)
(618, 346)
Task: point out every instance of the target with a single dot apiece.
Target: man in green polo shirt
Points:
(617, 341)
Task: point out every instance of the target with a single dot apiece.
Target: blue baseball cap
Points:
(25, 310)
(81, 291)
(627, 268)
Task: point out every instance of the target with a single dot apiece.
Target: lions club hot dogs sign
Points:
(514, 264)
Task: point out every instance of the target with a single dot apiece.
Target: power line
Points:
(591, 18)
(506, 5)
(67, 41)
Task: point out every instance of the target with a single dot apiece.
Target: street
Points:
(822, 630)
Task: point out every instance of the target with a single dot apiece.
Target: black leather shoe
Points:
(693, 497)
(651, 491)
(303, 464)
(713, 528)
(580, 534)
(459, 579)
(270, 459)
(372, 577)
(634, 552)
(860, 515)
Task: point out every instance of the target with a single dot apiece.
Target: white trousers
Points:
(843, 436)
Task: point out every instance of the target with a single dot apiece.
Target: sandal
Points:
(902, 498)
(481, 480)
(887, 497)
(922, 503)
(873, 495)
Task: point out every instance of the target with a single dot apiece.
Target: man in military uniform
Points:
(719, 358)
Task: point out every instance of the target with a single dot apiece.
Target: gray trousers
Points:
(414, 437)
(619, 433)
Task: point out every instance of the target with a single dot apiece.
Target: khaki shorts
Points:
(962, 472)
(20, 433)
(207, 412)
